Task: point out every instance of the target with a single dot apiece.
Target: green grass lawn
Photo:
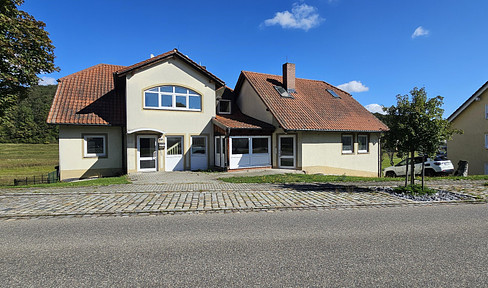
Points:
(26, 160)
(302, 178)
(18, 161)
(92, 182)
(318, 178)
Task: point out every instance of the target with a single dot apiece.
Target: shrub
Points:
(414, 190)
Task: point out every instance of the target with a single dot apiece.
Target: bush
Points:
(414, 190)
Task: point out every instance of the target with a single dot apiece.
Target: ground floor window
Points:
(363, 144)
(250, 151)
(95, 145)
(347, 144)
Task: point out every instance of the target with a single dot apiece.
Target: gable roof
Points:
(311, 108)
(164, 57)
(468, 102)
(88, 97)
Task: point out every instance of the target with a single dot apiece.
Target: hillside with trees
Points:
(25, 121)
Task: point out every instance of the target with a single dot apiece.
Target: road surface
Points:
(444, 245)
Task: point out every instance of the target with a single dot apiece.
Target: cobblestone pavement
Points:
(149, 199)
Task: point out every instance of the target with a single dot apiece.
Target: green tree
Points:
(416, 125)
(25, 52)
(25, 121)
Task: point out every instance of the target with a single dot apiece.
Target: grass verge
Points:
(318, 178)
(93, 182)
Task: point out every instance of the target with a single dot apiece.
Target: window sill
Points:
(95, 156)
(172, 109)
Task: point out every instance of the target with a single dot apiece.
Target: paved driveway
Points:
(194, 192)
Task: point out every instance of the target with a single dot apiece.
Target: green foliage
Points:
(414, 190)
(25, 52)
(416, 124)
(25, 122)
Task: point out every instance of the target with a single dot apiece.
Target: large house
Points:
(168, 113)
(472, 145)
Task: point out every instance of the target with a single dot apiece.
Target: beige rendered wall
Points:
(251, 104)
(172, 122)
(470, 146)
(322, 153)
(73, 164)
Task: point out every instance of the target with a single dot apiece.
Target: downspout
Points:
(379, 155)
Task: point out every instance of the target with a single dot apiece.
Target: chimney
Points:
(289, 77)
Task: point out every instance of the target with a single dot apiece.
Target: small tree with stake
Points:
(416, 124)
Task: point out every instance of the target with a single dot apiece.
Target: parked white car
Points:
(439, 166)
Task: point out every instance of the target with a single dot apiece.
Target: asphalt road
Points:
(442, 246)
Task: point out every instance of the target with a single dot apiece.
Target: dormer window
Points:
(224, 107)
(172, 98)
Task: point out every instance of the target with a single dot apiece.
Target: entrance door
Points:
(286, 151)
(199, 158)
(174, 153)
(147, 153)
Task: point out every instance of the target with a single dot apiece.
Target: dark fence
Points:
(51, 177)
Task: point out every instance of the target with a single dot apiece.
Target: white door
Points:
(198, 153)
(286, 151)
(147, 153)
(174, 160)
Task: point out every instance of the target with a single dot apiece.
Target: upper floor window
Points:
(224, 107)
(486, 111)
(173, 98)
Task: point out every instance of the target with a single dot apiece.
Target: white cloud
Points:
(47, 81)
(353, 86)
(375, 108)
(301, 17)
(420, 31)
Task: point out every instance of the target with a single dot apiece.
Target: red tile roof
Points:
(87, 97)
(312, 107)
(237, 120)
(164, 57)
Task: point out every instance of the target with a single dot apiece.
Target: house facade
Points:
(168, 113)
(472, 146)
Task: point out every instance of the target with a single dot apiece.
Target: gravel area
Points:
(441, 195)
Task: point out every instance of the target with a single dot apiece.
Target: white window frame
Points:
(224, 112)
(367, 143)
(486, 111)
(173, 95)
(249, 150)
(352, 144)
(486, 141)
(85, 146)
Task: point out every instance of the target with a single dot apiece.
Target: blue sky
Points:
(374, 49)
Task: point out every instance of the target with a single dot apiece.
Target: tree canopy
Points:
(25, 52)
(416, 125)
(25, 121)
